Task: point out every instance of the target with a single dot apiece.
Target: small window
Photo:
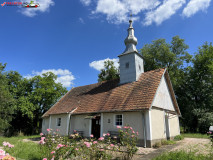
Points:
(127, 65)
(59, 122)
(119, 120)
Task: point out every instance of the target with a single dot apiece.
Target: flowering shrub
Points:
(3, 154)
(128, 138)
(57, 147)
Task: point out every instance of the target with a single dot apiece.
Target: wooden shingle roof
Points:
(110, 96)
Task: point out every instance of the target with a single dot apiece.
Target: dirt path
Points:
(188, 144)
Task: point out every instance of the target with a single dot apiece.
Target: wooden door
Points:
(96, 127)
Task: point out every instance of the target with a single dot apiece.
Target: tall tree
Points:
(174, 56)
(33, 97)
(109, 72)
(6, 101)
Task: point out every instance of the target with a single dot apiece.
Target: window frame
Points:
(122, 119)
(57, 122)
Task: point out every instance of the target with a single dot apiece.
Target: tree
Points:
(6, 101)
(160, 54)
(109, 72)
(199, 86)
(33, 97)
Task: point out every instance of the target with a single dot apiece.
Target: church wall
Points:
(63, 127)
(174, 125)
(45, 125)
(158, 124)
(133, 119)
(79, 123)
(127, 74)
(163, 98)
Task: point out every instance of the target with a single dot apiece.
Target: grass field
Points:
(23, 150)
(195, 135)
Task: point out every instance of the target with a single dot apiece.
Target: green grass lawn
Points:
(23, 150)
(195, 135)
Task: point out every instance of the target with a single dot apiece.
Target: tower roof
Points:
(130, 41)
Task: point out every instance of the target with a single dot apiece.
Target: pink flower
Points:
(130, 128)
(10, 146)
(52, 152)
(101, 149)
(133, 131)
(108, 134)
(42, 138)
(101, 138)
(57, 130)
(59, 146)
(104, 134)
(2, 152)
(119, 127)
(87, 144)
(112, 145)
(74, 131)
(76, 149)
(41, 134)
(95, 142)
(137, 133)
(91, 136)
(41, 142)
(48, 130)
(44, 158)
(133, 136)
(5, 144)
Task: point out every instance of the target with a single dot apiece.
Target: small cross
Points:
(130, 16)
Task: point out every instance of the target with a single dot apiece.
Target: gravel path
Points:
(199, 145)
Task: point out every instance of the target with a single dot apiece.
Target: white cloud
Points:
(98, 65)
(194, 6)
(85, 2)
(65, 77)
(81, 20)
(163, 12)
(44, 7)
(117, 11)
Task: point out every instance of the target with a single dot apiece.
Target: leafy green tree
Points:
(109, 72)
(33, 97)
(174, 56)
(6, 101)
(199, 89)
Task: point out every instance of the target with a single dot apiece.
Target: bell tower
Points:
(131, 62)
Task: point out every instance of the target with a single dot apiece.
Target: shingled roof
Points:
(110, 96)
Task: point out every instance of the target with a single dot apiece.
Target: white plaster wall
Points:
(127, 74)
(79, 123)
(158, 124)
(133, 119)
(174, 125)
(138, 62)
(163, 98)
(63, 127)
(45, 125)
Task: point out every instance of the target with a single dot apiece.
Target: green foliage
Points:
(178, 137)
(23, 150)
(167, 142)
(182, 155)
(31, 99)
(109, 72)
(6, 101)
(194, 135)
(160, 54)
(157, 145)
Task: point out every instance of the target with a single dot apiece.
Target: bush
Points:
(157, 145)
(54, 146)
(167, 142)
(178, 138)
(181, 155)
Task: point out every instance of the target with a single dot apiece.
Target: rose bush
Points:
(58, 147)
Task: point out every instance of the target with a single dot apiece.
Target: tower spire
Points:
(130, 41)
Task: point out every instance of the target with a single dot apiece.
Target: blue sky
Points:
(72, 37)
